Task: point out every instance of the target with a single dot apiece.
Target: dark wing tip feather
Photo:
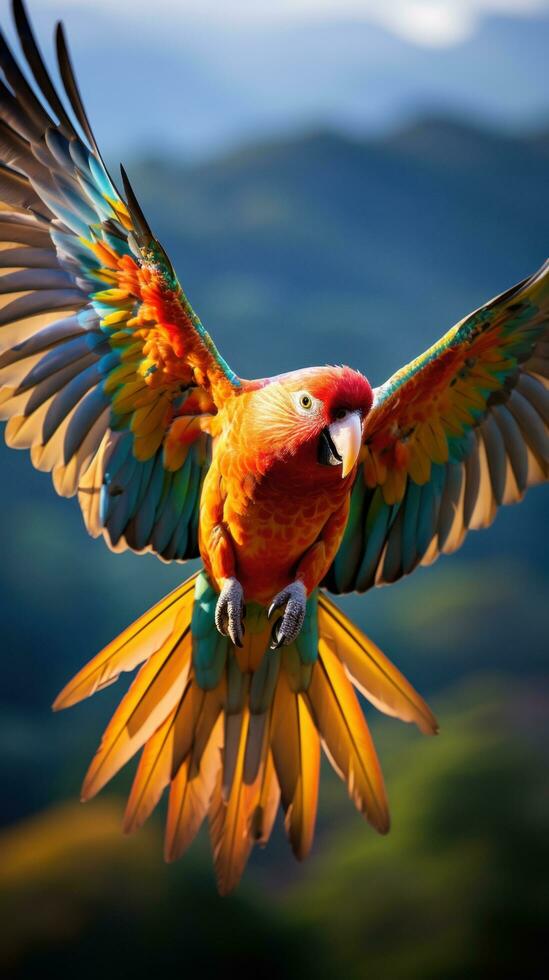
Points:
(69, 81)
(36, 64)
(73, 93)
(138, 218)
(24, 93)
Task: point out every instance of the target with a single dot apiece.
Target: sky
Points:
(191, 78)
(424, 22)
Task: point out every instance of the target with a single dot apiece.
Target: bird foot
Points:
(287, 629)
(230, 611)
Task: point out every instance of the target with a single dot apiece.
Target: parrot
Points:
(287, 488)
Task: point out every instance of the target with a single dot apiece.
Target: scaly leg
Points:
(229, 611)
(287, 629)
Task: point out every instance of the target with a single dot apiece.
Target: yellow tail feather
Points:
(371, 671)
(346, 737)
(191, 795)
(296, 753)
(235, 751)
(152, 776)
(155, 691)
(136, 644)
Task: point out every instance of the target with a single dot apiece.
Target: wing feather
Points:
(452, 436)
(132, 359)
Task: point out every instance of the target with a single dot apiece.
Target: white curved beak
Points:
(346, 435)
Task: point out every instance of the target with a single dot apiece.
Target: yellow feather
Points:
(145, 420)
(263, 792)
(152, 776)
(114, 297)
(190, 795)
(285, 739)
(267, 803)
(230, 822)
(119, 316)
(178, 743)
(346, 738)
(301, 815)
(144, 448)
(155, 691)
(432, 439)
(419, 465)
(132, 394)
(138, 642)
(119, 375)
(174, 456)
(296, 754)
(194, 721)
(464, 392)
(394, 485)
(371, 671)
(132, 351)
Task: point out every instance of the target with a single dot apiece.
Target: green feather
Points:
(209, 647)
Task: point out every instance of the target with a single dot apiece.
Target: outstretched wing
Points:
(106, 373)
(453, 435)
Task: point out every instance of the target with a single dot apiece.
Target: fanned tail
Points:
(235, 732)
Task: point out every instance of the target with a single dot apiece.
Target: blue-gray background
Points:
(330, 188)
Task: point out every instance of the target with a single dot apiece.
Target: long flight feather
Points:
(134, 645)
(346, 738)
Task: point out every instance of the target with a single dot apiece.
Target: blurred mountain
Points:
(195, 84)
(328, 244)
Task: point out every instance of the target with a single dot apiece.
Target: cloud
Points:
(443, 22)
(432, 23)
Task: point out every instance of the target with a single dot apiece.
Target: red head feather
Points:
(280, 423)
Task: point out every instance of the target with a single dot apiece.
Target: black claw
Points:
(273, 607)
(287, 628)
(277, 636)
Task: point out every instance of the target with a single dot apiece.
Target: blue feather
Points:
(102, 208)
(68, 397)
(144, 518)
(100, 177)
(81, 156)
(119, 455)
(58, 145)
(84, 416)
(54, 361)
(392, 563)
(409, 526)
(348, 556)
(377, 523)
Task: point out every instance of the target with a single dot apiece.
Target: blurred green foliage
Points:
(457, 889)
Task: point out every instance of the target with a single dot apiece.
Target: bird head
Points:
(313, 416)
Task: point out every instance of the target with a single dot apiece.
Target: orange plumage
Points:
(264, 455)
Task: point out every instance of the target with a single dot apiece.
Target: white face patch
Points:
(283, 420)
(306, 404)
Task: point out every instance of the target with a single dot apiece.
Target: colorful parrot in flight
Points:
(285, 487)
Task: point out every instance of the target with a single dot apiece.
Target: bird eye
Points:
(306, 401)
